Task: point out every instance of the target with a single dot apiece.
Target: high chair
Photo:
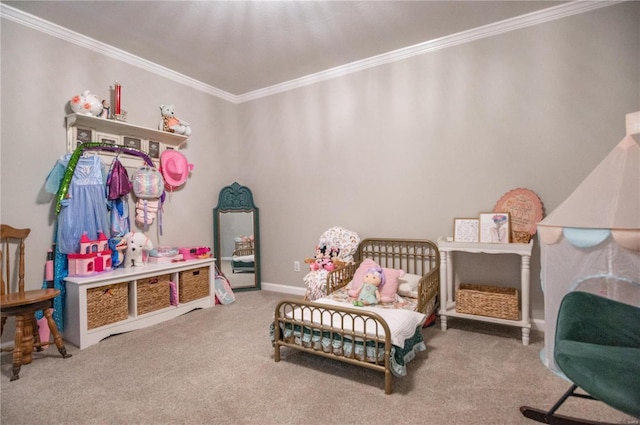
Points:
(23, 304)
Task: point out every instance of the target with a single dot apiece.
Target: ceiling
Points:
(242, 46)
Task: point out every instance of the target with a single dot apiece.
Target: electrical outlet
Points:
(296, 266)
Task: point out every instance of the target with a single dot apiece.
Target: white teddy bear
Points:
(171, 123)
(136, 243)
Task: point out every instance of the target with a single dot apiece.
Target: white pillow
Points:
(408, 285)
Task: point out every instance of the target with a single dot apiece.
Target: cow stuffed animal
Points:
(137, 242)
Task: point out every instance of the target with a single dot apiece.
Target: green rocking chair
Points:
(597, 346)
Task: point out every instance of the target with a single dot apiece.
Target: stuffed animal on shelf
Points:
(369, 292)
(136, 243)
(86, 103)
(118, 246)
(172, 124)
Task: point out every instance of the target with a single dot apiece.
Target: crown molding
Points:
(501, 27)
(507, 25)
(38, 24)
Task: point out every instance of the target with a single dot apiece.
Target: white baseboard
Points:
(284, 289)
(537, 325)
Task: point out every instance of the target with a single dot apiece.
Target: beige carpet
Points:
(216, 366)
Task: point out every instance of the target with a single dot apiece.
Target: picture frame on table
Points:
(495, 227)
(466, 229)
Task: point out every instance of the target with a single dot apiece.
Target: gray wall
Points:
(401, 149)
(394, 151)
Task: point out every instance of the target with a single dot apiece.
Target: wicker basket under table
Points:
(193, 284)
(107, 304)
(486, 300)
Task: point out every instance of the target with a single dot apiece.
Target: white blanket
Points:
(402, 323)
(243, 258)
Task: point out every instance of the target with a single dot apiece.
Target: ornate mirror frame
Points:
(237, 198)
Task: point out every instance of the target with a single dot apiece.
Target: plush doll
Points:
(172, 124)
(136, 243)
(315, 263)
(106, 109)
(325, 259)
(118, 246)
(335, 261)
(369, 292)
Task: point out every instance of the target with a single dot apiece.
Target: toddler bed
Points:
(384, 337)
(243, 258)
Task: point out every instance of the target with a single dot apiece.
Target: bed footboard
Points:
(347, 334)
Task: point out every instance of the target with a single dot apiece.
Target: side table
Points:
(448, 285)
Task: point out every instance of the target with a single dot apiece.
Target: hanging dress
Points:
(118, 188)
(85, 208)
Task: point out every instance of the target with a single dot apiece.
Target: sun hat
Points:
(175, 169)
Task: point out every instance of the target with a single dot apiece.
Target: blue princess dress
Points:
(84, 210)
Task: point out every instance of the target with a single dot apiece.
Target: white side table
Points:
(448, 285)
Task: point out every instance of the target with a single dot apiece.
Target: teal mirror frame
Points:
(237, 198)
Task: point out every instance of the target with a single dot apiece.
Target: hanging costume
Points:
(118, 188)
(84, 210)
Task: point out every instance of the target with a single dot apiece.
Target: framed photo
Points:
(495, 227)
(108, 138)
(83, 135)
(154, 149)
(132, 142)
(465, 229)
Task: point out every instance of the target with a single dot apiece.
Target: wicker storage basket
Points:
(520, 237)
(107, 304)
(193, 284)
(153, 293)
(485, 300)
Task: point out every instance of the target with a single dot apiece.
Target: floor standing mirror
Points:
(236, 237)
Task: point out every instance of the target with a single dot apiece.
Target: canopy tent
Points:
(591, 242)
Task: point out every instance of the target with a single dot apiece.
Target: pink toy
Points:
(94, 256)
(326, 258)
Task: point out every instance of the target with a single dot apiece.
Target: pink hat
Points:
(175, 169)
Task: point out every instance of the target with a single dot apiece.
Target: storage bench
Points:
(127, 299)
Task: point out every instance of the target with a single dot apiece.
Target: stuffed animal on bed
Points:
(325, 259)
(369, 292)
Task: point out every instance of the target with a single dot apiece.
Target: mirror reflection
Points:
(236, 237)
(237, 251)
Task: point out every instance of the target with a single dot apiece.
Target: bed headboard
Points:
(416, 256)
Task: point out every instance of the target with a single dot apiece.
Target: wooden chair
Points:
(23, 304)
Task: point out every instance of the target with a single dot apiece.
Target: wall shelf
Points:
(89, 129)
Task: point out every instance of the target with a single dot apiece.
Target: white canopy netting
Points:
(591, 242)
